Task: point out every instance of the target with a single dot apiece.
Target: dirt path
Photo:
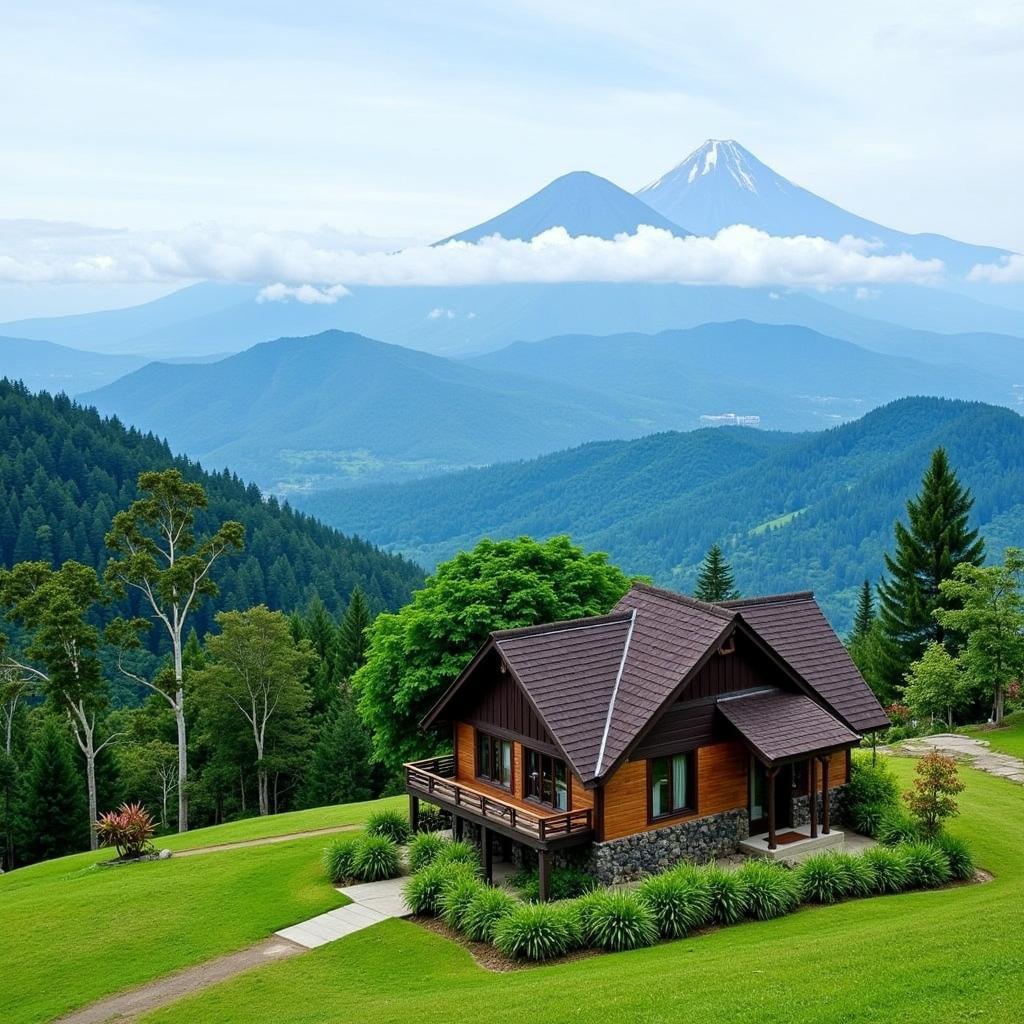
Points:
(266, 840)
(966, 748)
(155, 994)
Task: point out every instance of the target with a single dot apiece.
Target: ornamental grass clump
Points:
(374, 858)
(889, 870)
(424, 890)
(680, 901)
(458, 852)
(769, 890)
(727, 893)
(338, 859)
(424, 847)
(958, 854)
(927, 865)
(392, 824)
(455, 900)
(563, 884)
(897, 827)
(537, 931)
(620, 920)
(858, 878)
(822, 878)
(485, 910)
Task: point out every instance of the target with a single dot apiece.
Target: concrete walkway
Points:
(966, 748)
(372, 902)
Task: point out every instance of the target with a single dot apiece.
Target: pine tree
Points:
(351, 643)
(55, 817)
(936, 540)
(865, 617)
(715, 580)
(339, 771)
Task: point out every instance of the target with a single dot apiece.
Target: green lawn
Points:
(1009, 739)
(71, 932)
(949, 956)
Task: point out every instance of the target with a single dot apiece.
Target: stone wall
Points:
(837, 807)
(622, 860)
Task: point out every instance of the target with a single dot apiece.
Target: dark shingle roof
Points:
(794, 626)
(779, 725)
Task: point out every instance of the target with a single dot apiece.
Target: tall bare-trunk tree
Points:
(157, 555)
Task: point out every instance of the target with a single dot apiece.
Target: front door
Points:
(759, 797)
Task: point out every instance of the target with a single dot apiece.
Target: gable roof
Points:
(779, 726)
(795, 627)
(599, 683)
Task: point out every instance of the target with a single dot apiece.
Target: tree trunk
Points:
(179, 718)
(997, 705)
(90, 777)
(262, 780)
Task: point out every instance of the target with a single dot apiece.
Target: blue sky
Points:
(411, 121)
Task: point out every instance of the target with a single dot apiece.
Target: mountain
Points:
(64, 472)
(792, 510)
(338, 408)
(580, 202)
(791, 377)
(721, 183)
(42, 365)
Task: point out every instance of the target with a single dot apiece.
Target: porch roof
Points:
(780, 726)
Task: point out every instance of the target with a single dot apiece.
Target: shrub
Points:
(728, 897)
(680, 901)
(537, 931)
(958, 854)
(933, 798)
(456, 898)
(620, 920)
(484, 912)
(392, 824)
(424, 890)
(374, 858)
(338, 859)
(563, 884)
(584, 906)
(424, 848)
(858, 878)
(927, 865)
(769, 890)
(128, 829)
(896, 827)
(871, 792)
(888, 868)
(458, 851)
(823, 878)
(867, 818)
(432, 818)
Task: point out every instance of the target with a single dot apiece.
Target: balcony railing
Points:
(434, 779)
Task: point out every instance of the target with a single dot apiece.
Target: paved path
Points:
(371, 902)
(266, 840)
(966, 748)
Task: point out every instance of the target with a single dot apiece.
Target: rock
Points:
(165, 855)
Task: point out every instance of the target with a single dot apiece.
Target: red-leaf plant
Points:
(129, 829)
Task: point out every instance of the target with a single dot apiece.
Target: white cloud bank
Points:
(313, 269)
(1010, 271)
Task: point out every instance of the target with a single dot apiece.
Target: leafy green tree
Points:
(352, 639)
(715, 581)
(936, 686)
(339, 770)
(53, 605)
(158, 558)
(936, 539)
(986, 606)
(55, 817)
(415, 654)
(256, 666)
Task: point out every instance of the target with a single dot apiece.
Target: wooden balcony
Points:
(434, 780)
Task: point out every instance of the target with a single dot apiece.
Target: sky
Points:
(385, 124)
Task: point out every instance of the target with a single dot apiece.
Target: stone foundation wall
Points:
(837, 807)
(623, 860)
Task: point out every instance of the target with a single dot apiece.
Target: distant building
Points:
(730, 419)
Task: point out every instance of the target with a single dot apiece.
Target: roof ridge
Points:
(560, 625)
(742, 602)
(615, 693)
(683, 599)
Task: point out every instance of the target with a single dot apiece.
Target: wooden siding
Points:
(836, 771)
(744, 669)
(721, 786)
(579, 797)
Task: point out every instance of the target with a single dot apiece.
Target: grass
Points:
(72, 932)
(1008, 739)
(952, 955)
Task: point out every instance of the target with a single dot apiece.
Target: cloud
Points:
(305, 293)
(313, 266)
(437, 313)
(1009, 271)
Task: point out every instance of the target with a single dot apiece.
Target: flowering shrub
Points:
(933, 798)
(128, 829)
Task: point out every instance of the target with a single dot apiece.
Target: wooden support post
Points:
(812, 796)
(543, 874)
(772, 775)
(487, 853)
(459, 826)
(414, 812)
(824, 796)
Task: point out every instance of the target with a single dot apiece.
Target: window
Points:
(494, 759)
(547, 780)
(673, 785)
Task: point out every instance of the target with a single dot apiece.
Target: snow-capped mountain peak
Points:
(715, 157)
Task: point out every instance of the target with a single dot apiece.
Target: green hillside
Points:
(793, 511)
